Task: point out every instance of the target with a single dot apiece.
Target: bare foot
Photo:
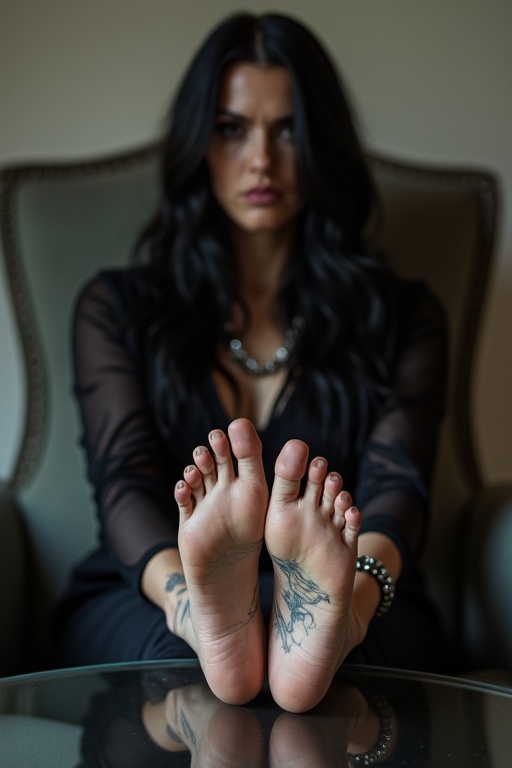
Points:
(313, 543)
(192, 719)
(342, 726)
(222, 519)
(216, 734)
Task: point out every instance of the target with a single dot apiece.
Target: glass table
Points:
(163, 714)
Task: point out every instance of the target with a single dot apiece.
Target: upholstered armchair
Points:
(62, 222)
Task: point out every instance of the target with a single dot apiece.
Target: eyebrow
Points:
(243, 119)
(232, 115)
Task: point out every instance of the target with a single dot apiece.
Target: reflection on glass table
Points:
(163, 714)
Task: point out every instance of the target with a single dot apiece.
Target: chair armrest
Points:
(13, 586)
(487, 579)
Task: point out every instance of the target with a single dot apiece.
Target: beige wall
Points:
(432, 80)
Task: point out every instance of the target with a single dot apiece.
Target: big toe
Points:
(290, 469)
(244, 439)
(246, 446)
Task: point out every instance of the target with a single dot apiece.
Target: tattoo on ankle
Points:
(176, 581)
(187, 728)
(173, 735)
(299, 594)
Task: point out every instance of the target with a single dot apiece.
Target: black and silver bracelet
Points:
(380, 750)
(375, 568)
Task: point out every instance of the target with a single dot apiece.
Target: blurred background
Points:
(430, 81)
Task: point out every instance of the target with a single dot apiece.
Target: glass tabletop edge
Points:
(346, 670)
(122, 666)
(453, 681)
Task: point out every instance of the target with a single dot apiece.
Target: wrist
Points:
(361, 621)
(370, 588)
(365, 602)
(374, 568)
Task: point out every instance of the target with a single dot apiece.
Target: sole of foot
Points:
(222, 519)
(312, 538)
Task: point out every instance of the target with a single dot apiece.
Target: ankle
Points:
(178, 617)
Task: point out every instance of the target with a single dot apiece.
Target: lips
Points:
(262, 195)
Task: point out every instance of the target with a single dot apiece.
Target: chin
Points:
(265, 224)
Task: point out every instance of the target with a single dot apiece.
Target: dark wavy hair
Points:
(335, 281)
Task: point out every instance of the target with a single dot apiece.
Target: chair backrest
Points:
(60, 224)
(439, 224)
(63, 222)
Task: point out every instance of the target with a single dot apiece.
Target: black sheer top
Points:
(133, 469)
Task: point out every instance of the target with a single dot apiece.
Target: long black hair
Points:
(335, 281)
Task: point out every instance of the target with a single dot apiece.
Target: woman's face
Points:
(251, 157)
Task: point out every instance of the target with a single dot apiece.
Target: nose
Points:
(260, 151)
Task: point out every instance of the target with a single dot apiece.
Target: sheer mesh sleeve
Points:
(396, 468)
(127, 462)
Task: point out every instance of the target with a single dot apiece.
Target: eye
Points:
(285, 130)
(231, 130)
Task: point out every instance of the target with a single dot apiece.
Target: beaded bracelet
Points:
(380, 750)
(375, 568)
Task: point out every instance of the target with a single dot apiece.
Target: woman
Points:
(258, 245)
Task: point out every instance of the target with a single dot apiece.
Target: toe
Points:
(246, 446)
(206, 465)
(290, 469)
(353, 520)
(184, 499)
(342, 503)
(194, 479)
(244, 439)
(348, 522)
(316, 476)
(222, 453)
(331, 489)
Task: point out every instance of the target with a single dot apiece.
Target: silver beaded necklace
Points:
(284, 354)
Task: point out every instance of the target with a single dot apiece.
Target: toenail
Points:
(320, 463)
(199, 451)
(215, 435)
(189, 469)
(180, 484)
(334, 478)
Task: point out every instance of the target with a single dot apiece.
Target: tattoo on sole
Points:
(300, 594)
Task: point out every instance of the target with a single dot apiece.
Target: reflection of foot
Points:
(192, 719)
(215, 733)
(313, 543)
(324, 736)
(222, 518)
(305, 741)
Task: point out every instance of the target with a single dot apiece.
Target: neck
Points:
(261, 258)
